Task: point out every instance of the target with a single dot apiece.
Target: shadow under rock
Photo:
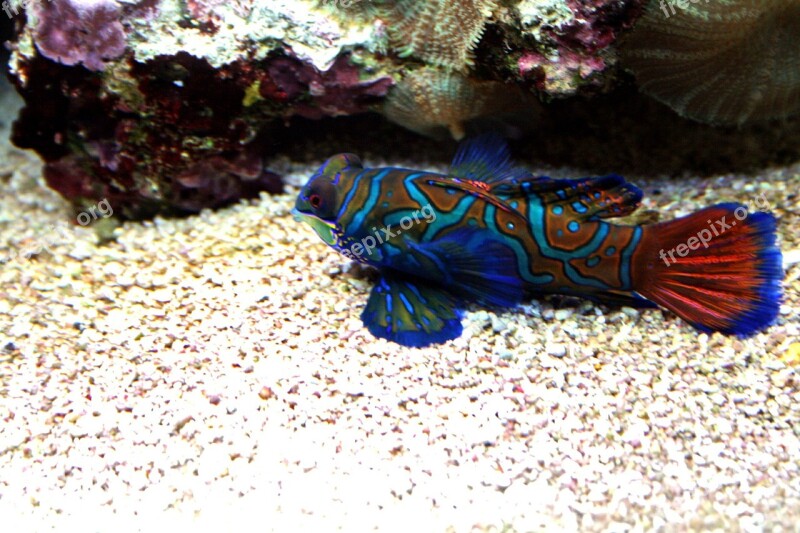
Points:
(622, 132)
(6, 32)
(629, 133)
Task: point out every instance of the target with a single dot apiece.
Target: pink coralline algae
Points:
(597, 23)
(547, 73)
(337, 91)
(87, 32)
(218, 181)
(583, 48)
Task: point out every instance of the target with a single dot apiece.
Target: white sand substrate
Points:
(213, 371)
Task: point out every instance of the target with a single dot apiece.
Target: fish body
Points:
(492, 233)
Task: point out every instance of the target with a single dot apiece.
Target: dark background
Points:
(6, 26)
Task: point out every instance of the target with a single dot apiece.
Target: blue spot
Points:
(557, 210)
(514, 205)
(560, 233)
(389, 194)
(385, 205)
(597, 195)
(561, 193)
(592, 261)
(573, 226)
(510, 225)
(451, 191)
(611, 250)
(472, 222)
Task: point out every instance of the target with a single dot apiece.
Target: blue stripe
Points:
(413, 288)
(538, 229)
(395, 217)
(523, 256)
(375, 191)
(625, 262)
(406, 303)
(350, 194)
(445, 220)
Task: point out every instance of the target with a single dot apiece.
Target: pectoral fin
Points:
(473, 263)
(410, 313)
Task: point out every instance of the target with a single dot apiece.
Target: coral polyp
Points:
(440, 32)
(720, 62)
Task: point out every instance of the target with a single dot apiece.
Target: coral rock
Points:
(170, 106)
(573, 42)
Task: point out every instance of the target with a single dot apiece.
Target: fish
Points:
(488, 232)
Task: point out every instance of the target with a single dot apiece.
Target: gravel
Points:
(213, 371)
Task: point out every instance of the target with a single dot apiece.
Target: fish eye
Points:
(319, 199)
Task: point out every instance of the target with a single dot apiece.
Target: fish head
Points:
(320, 201)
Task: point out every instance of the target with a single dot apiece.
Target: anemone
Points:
(720, 62)
(433, 101)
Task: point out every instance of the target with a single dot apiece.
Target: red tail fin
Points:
(718, 269)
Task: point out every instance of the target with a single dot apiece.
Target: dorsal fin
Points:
(475, 188)
(588, 198)
(485, 159)
(483, 167)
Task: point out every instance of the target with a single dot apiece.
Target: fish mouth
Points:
(310, 218)
(323, 228)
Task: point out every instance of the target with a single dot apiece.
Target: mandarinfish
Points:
(492, 233)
